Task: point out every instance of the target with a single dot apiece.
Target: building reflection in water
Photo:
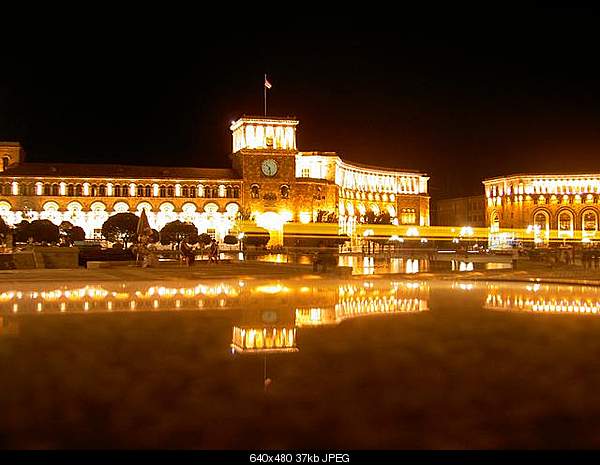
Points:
(267, 314)
(368, 265)
(544, 298)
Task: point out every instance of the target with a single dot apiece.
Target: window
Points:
(94, 190)
(408, 216)
(117, 190)
(170, 191)
(565, 222)
(70, 190)
(46, 189)
(162, 191)
(306, 172)
(255, 191)
(214, 192)
(102, 190)
(589, 222)
(55, 189)
(285, 191)
(148, 190)
(236, 192)
(124, 190)
(193, 191)
(185, 191)
(229, 192)
(140, 190)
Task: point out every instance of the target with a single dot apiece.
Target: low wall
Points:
(46, 257)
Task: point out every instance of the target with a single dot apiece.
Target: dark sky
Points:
(461, 97)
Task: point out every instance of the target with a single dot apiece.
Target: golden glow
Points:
(545, 298)
(305, 217)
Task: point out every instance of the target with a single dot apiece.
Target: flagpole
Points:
(265, 92)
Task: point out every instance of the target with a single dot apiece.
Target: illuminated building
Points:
(271, 183)
(544, 207)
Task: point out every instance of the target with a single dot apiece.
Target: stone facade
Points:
(544, 207)
(270, 182)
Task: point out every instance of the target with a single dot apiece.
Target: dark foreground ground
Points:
(457, 376)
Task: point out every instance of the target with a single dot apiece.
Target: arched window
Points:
(162, 191)
(117, 190)
(565, 223)
(589, 222)
(140, 190)
(214, 192)
(255, 191)
(185, 191)
(124, 190)
(285, 191)
(193, 191)
(170, 191)
(236, 192)
(94, 190)
(201, 191)
(229, 192)
(55, 189)
(148, 190)
(102, 190)
(70, 190)
(5, 162)
(46, 189)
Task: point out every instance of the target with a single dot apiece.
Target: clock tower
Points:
(264, 156)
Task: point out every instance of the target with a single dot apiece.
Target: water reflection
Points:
(373, 265)
(544, 298)
(265, 315)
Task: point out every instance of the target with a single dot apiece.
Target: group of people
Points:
(188, 252)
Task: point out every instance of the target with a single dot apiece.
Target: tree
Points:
(76, 233)
(120, 227)
(4, 228)
(176, 231)
(384, 218)
(154, 237)
(231, 240)
(370, 217)
(38, 231)
(204, 239)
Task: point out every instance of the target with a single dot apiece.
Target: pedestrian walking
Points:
(214, 252)
(187, 252)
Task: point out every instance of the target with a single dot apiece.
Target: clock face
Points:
(269, 167)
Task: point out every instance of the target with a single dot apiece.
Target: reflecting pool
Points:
(362, 363)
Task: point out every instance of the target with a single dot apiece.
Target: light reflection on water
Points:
(271, 311)
(544, 298)
(368, 265)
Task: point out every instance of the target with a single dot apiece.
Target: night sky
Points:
(461, 98)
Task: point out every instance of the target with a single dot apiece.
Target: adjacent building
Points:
(461, 211)
(270, 182)
(543, 207)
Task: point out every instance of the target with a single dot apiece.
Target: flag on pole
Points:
(267, 83)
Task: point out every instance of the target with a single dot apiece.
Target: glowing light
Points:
(412, 232)
(305, 217)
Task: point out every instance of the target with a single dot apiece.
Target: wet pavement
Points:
(303, 363)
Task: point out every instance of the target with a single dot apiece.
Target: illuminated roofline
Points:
(273, 120)
(379, 169)
(513, 177)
